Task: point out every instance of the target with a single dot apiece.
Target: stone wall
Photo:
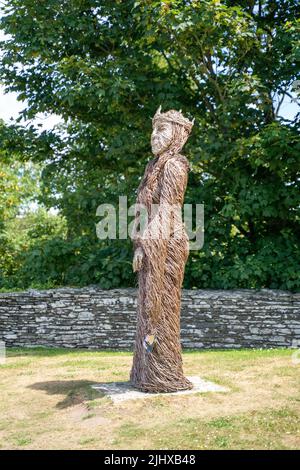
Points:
(94, 318)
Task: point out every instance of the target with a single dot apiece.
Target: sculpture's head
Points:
(170, 130)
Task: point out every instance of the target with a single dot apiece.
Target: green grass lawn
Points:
(47, 403)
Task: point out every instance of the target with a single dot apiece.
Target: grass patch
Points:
(256, 430)
(48, 402)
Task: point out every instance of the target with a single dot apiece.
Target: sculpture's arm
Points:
(174, 181)
(173, 187)
(137, 241)
(155, 236)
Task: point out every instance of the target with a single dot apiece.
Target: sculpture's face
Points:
(161, 137)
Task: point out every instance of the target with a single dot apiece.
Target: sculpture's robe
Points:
(160, 280)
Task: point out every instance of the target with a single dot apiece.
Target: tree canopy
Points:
(104, 67)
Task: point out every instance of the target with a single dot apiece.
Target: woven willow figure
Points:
(161, 251)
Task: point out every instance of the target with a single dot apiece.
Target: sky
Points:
(10, 108)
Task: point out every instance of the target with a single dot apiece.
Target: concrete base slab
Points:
(122, 391)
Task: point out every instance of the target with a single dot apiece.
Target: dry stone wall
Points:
(105, 319)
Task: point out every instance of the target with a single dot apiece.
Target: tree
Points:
(18, 187)
(105, 66)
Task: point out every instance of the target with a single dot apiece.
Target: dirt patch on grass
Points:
(83, 416)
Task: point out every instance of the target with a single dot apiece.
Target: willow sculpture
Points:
(161, 251)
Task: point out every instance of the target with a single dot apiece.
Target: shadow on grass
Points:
(76, 391)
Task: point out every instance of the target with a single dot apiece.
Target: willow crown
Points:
(174, 117)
